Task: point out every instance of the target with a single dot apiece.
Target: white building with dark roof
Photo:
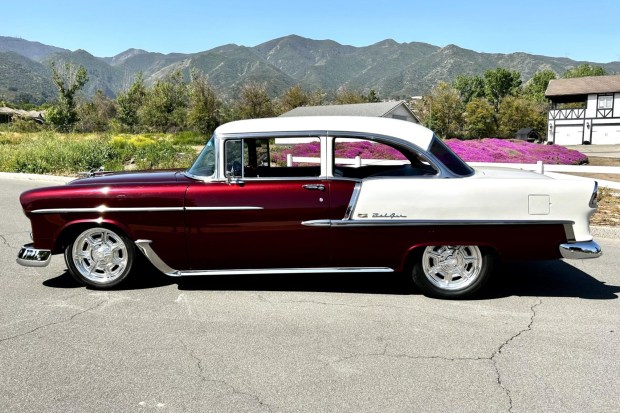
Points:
(395, 110)
(593, 117)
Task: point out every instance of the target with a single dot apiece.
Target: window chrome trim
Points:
(353, 202)
(421, 223)
(145, 247)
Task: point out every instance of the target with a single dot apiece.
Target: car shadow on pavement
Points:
(361, 283)
(554, 278)
(531, 278)
(141, 281)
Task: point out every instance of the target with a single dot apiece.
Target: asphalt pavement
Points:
(544, 337)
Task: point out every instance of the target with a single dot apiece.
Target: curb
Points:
(605, 232)
(36, 177)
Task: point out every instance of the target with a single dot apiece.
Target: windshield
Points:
(205, 164)
(450, 160)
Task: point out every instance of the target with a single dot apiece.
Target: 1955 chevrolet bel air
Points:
(313, 194)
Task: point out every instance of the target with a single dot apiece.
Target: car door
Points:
(255, 219)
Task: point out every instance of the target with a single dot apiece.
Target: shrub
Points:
(514, 151)
(53, 153)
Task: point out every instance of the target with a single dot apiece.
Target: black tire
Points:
(100, 258)
(452, 271)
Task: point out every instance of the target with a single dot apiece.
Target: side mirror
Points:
(231, 178)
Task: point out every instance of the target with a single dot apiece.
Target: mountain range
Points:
(391, 69)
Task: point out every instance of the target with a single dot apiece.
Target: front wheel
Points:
(100, 258)
(452, 271)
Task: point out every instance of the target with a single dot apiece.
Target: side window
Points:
(361, 158)
(280, 157)
(234, 156)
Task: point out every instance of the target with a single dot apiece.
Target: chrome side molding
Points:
(421, 222)
(145, 247)
(580, 250)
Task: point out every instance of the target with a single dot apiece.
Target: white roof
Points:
(333, 125)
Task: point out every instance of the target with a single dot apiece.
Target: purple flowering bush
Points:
(347, 150)
(483, 150)
(310, 149)
(514, 151)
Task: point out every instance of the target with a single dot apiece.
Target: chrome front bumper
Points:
(32, 257)
(580, 250)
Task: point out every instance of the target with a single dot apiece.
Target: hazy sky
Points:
(580, 30)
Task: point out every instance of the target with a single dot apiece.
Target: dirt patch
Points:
(608, 212)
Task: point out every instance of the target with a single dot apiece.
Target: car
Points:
(303, 195)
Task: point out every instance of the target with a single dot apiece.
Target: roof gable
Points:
(583, 85)
(375, 109)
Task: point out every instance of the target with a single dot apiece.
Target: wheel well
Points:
(415, 254)
(67, 236)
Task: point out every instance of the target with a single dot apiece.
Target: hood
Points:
(138, 177)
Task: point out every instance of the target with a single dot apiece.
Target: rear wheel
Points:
(452, 271)
(100, 258)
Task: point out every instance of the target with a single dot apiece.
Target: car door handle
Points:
(314, 187)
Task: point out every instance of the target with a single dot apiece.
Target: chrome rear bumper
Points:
(32, 257)
(580, 250)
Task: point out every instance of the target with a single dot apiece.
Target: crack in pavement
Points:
(92, 308)
(234, 390)
(4, 241)
(492, 358)
(499, 350)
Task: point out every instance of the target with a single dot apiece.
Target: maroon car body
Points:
(210, 220)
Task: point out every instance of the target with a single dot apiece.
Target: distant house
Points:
(395, 110)
(594, 114)
(7, 114)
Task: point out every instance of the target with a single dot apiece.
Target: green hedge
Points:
(55, 153)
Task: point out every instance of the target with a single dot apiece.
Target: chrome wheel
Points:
(452, 267)
(100, 257)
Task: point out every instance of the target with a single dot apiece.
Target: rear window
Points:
(450, 160)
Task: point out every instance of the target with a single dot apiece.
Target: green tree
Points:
(345, 96)
(129, 103)
(204, 105)
(165, 104)
(469, 87)
(293, 97)
(535, 88)
(516, 113)
(372, 97)
(584, 70)
(95, 116)
(441, 110)
(254, 102)
(69, 79)
(499, 83)
(479, 119)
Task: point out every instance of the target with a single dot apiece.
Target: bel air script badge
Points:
(391, 215)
